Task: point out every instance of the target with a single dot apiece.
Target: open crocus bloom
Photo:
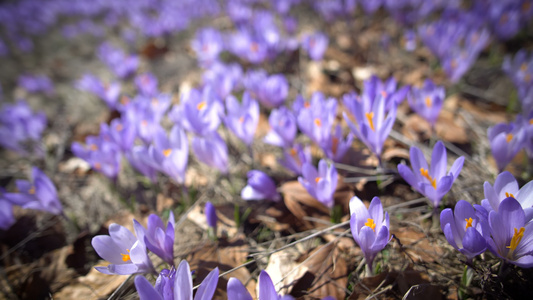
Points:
(512, 238)
(465, 229)
(433, 183)
(370, 228)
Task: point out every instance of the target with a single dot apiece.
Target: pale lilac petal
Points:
(208, 286)
(237, 291)
(266, 287)
(145, 289)
(183, 282)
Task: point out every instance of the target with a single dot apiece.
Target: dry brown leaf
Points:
(417, 245)
(400, 282)
(225, 225)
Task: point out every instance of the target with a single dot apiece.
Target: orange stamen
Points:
(318, 122)
(468, 223)
(370, 223)
(509, 137)
(32, 190)
(317, 179)
(201, 105)
(126, 257)
(515, 240)
(509, 195)
(167, 152)
(425, 173)
(369, 117)
(428, 102)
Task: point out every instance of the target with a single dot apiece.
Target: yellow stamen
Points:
(307, 104)
(370, 223)
(126, 257)
(428, 102)
(509, 195)
(425, 173)
(317, 179)
(468, 223)
(515, 240)
(509, 137)
(370, 117)
(530, 121)
(318, 122)
(201, 105)
(93, 147)
(523, 67)
(167, 152)
(32, 190)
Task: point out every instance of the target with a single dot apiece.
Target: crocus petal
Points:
(107, 249)
(145, 289)
(237, 291)
(208, 286)
(183, 282)
(266, 287)
(473, 242)
(438, 161)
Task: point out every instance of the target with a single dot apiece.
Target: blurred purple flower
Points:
(260, 186)
(433, 183)
(109, 93)
(409, 40)
(315, 44)
(39, 193)
(370, 228)
(465, 229)
(6, 212)
(336, 146)
(123, 133)
(282, 127)
(170, 154)
(137, 157)
(126, 254)
(223, 78)
(511, 237)
(158, 238)
(212, 151)
(505, 142)
(316, 119)
(176, 284)
(36, 83)
(199, 112)
(207, 44)
(294, 158)
(273, 91)
(21, 128)
(427, 101)
(100, 152)
(373, 126)
(120, 63)
(147, 84)
(242, 119)
(211, 215)
(321, 183)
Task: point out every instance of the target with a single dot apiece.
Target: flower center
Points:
(167, 152)
(201, 105)
(509, 195)
(32, 190)
(119, 127)
(523, 67)
(144, 123)
(318, 122)
(98, 166)
(126, 257)
(254, 47)
(425, 173)
(515, 240)
(509, 137)
(370, 117)
(317, 179)
(428, 102)
(531, 121)
(370, 223)
(93, 147)
(384, 94)
(241, 120)
(307, 104)
(468, 223)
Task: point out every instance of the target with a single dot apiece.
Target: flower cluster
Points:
(502, 223)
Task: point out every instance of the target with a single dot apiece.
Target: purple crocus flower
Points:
(248, 46)
(100, 152)
(506, 186)
(207, 44)
(120, 63)
(282, 128)
(374, 87)
(176, 284)
(211, 215)
(223, 78)
(212, 150)
(273, 91)
(158, 238)
(427, 101)
(6, 212)
(315, 44)
(109, 93)
(465, 229)
(123, 133)
(370, 229)
(260, 186)
(39, 193)
(242, 119)
(321, 183)
(147, 84)
(373, 126)
(21, 128)
(199, 112)
(137, 158)
(336, 146)
(433, 183)
(123, 250)
(316, 120)
(294, 158)
(36, 83)
(170, 154)
(511, 238)
(505, 142)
